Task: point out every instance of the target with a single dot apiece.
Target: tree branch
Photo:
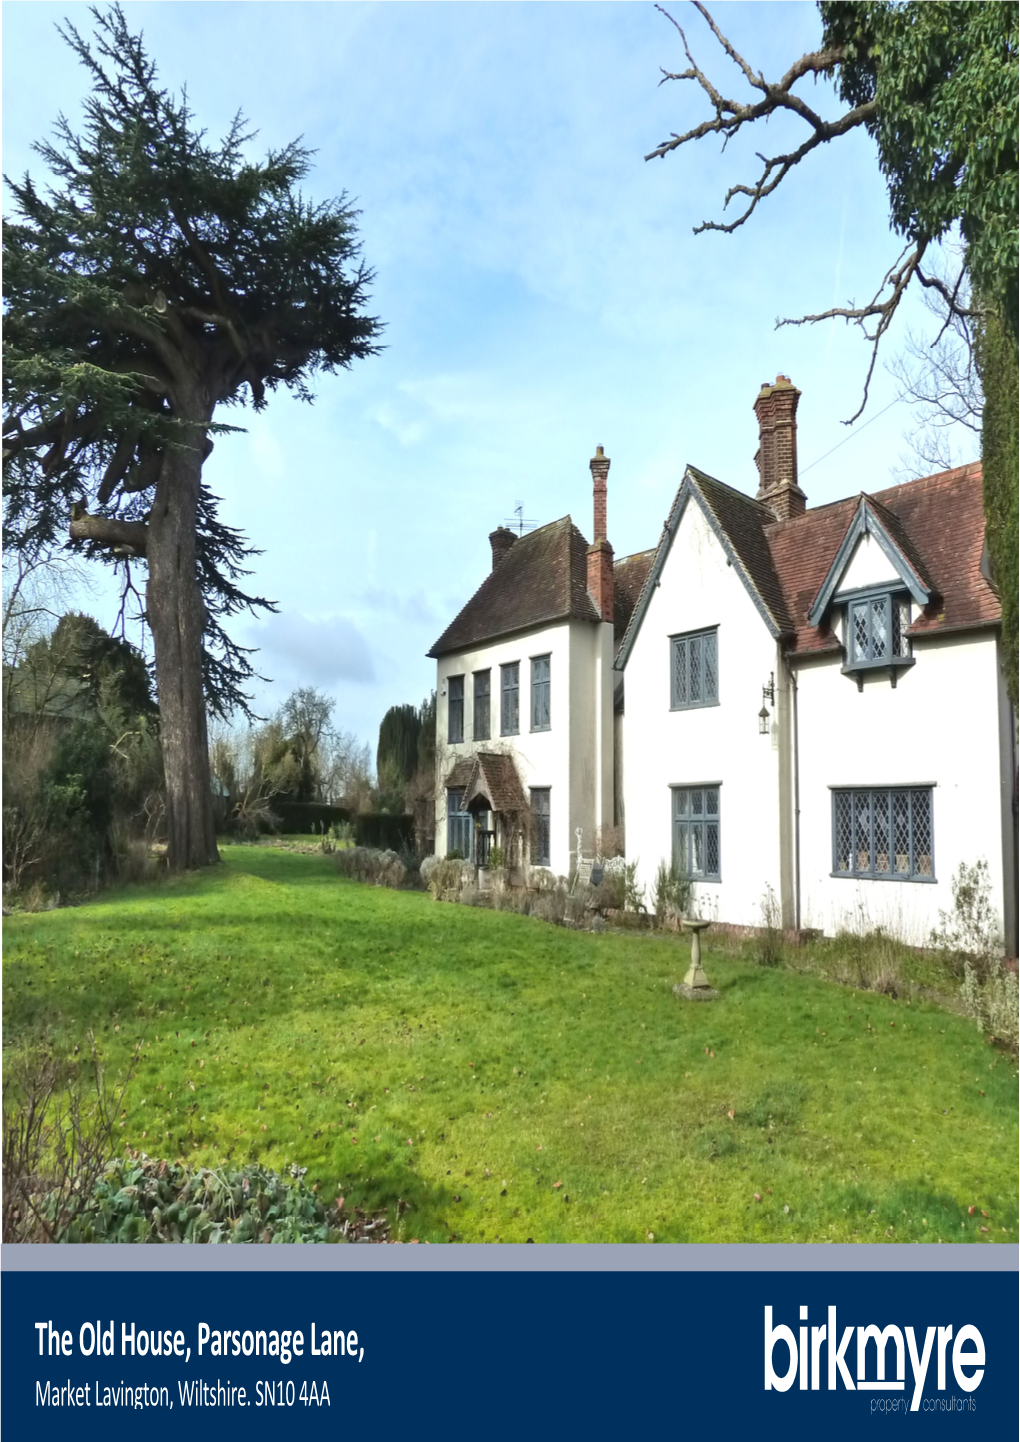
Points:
(127, 538)
(898, 277)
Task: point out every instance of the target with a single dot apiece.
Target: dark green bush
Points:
(384, 832)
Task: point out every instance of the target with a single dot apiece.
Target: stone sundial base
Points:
(694, 993)
(694, 986)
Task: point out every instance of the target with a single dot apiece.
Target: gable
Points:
(737, 523)
(873, 551)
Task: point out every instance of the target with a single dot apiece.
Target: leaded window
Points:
(541, 687)
(884, 833)
(877, 630)
(694, 676)
(481, 729)
(696, 849)
(541, 842)
(459, 825)
(456, 710)
(510, 699)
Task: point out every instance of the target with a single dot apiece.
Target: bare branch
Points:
(898, 277)
(128, 589)
(731, 115)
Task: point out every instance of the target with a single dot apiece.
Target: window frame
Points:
(697, 820)
(453, 702)
(540, 688)
(481, 733)
(684, 641)
(505, 691)
(541, 825)
(874, 823)
(899, 653)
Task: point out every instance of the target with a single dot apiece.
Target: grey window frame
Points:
(872, 820)
(898, 651)
(541, 827)
(481, 732)
(541, 689)
(454, 708)
(698, 819)
(459, 824)
(510, 672)
(684, 644)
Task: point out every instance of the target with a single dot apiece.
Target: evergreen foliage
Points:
(943, 75)
(1000, 461)
(159, 277)
(397, 754)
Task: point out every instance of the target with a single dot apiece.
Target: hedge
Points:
(303, 817)
(384, 832)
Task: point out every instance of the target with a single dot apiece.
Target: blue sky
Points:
(540, 285)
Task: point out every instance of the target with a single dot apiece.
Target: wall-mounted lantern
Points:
(768, 698)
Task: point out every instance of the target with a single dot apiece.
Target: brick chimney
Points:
(776, 457)
(600, 552)
(501, 539)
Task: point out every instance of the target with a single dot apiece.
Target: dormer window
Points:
(877, 630)
(876, 634)
(874, 579)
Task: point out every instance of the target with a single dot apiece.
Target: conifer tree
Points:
(158, 277)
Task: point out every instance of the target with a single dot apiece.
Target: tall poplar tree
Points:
(158, 277)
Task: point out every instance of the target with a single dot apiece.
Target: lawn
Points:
(509, 1080)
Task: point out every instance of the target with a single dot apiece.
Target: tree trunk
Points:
(176, 613)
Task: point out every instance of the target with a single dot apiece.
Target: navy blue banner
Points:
(603, 1353)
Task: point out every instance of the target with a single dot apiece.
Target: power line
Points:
(852, 436)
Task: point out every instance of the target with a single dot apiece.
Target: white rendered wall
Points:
(869, 566)
(718, 744)
(938, 726)
(561, 758)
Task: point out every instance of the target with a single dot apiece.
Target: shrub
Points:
(497, 858)
(970, 932)
(633, 895)
(768, 944)
(58, 1120)
(992, 1001)
(672, 893)
(512, 898)
(142, 1199)
(376, 868)
(550, 903)
(446, 878)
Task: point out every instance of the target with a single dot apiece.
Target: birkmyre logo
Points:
(816, 1351)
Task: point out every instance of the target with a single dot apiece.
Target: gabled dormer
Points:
(874, 581)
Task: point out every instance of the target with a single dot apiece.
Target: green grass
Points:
(509, 1080)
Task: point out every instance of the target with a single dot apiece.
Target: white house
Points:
(806, 700)
(524, 688)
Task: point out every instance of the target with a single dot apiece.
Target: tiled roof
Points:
(629, 576)
(739, 521)
(491, 775)
(938, 523)
(543, 578)
(743, 520)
